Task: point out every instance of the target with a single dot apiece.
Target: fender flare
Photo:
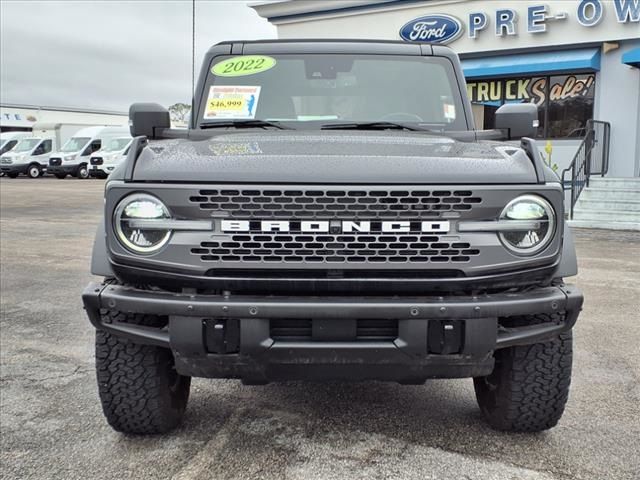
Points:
(100, 265)
(568, 266)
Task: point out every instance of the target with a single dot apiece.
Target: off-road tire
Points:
(529, 386)
(140, 391)
(60, 176)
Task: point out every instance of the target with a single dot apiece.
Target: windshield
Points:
(26, 144)
(75, 144)
(325, 89)
(116, 144)
(7, 146)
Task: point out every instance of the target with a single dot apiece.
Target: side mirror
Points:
(518, 119)
(146, 118)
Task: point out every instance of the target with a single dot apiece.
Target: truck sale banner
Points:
(532, 89)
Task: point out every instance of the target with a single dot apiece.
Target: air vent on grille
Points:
(288, 329)
(302, 330)
(318, 248)
(375, 329)
(264, 203)
(54, 161)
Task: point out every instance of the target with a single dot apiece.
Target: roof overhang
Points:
(632, 57)
(276, 11)
(587, 59)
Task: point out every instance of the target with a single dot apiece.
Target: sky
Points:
(105, 55)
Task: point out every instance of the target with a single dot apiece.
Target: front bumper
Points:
(199, 332)
(14, 168)
(104, 169)
(68, 169)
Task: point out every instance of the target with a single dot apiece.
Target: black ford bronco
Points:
(333, 214)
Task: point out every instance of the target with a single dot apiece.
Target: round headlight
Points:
(539, 214)
(134, 219)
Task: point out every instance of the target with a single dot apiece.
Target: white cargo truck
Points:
(112, 154)
(73, 157)
(30, 156)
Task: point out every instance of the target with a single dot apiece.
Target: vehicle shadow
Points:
(441, 414)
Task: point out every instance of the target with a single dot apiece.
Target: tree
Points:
(180, 112)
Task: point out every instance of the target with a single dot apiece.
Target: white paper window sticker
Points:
(449, 111)
(232, 102)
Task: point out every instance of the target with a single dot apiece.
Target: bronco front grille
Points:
(321, 248)
(335, 203)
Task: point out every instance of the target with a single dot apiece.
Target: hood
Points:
(113, 155)
(16, 157)
(344, 157)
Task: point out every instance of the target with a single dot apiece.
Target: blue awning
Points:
(587, 59)
(632, 57)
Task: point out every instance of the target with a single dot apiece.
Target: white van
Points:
(112, 153)
(33, 156)
(8, 140)
(29, 156)
(73, 157)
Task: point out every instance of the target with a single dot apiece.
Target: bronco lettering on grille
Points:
(335, 226)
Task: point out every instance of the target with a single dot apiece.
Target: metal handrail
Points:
(592, 158)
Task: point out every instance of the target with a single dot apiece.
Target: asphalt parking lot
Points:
(52, 425)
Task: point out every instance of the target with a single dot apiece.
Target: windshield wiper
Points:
(375, 126)
(245, 124)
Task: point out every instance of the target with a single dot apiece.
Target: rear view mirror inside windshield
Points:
(328, 69)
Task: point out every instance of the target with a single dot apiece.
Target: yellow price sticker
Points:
(243, 65)
(232, 101)
(226, 104)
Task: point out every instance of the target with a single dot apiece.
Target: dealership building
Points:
(577, 60)
(22, 118)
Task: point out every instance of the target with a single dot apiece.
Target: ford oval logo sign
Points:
(432, 29)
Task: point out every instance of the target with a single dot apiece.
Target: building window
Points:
(565, 102)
